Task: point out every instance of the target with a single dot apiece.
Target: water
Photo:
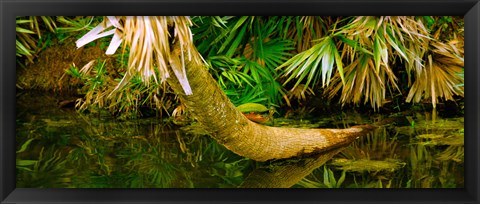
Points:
(59, 148)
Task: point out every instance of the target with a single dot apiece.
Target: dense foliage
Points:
(279, 60)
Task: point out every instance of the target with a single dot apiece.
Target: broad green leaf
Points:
(252, 107)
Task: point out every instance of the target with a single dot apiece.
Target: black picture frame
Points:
(470, 9)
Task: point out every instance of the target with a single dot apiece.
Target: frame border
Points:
(470, 9)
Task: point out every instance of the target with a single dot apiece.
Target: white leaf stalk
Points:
(149, 42)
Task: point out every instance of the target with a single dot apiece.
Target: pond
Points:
(61, 148)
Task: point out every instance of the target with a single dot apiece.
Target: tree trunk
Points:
(211, 108)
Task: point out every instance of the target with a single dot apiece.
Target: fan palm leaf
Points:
(235, 36)
(305, 64)
(207, 30)
(254, 41)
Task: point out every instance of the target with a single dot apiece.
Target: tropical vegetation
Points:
(274, 61)
(206, 69)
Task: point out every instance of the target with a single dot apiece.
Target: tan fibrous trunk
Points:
(212, 108)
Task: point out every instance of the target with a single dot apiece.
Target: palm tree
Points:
(162, 45)
(355, 58)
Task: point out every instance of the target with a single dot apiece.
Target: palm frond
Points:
(235, 36)
(210, 32)
(228, 70)
(273, 52)
(412, 42)
(371, 42)
(305, 64)
(362, 79)
(150, 46)
(74, 25)
(441, 77)
(306, 29)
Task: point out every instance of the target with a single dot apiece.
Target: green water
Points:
(60, 148)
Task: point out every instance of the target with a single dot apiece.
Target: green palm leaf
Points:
(234, 36)
(323, 55)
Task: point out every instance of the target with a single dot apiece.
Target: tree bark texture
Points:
(212, 108)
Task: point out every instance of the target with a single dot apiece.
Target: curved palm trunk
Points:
(211, 107)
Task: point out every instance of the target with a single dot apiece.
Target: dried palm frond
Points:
(451, 52)
(150, 45)
(362, 78)
(416, 47)
(179, 110)
(383, 35)
(300, 93)
(371, 44)
(47, 21)
(441, 77)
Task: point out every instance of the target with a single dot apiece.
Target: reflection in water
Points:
(286, 173)
(60, 148)
(425, 154)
